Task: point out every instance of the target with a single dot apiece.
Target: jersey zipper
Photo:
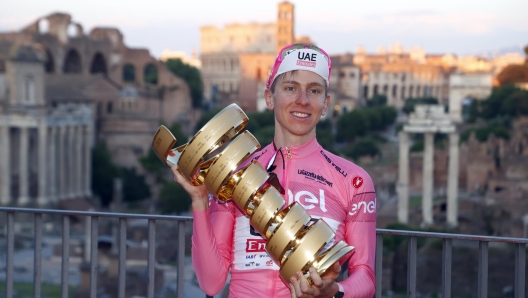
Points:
(288, 152)
(285, 178)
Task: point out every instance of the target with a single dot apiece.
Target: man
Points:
(328, 187)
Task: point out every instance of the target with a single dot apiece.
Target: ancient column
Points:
(72, 179)
(52, 173)
(5, 179)
(23, 198)
(79, 192)
(427, 190)
(42, 161)
(452, 182)
(87, 140)
(60, 164)
(403, 179)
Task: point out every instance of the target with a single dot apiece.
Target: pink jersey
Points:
(328, 187)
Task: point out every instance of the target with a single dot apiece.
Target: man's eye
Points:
(315, 91)
(289, 88)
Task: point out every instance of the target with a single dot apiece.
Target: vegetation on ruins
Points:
(494, 114)
(104, 172)
(191, 75)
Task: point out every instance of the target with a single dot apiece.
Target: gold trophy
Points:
(213, 158)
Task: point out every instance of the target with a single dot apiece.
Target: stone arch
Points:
(365, 91)
(98, 64)
(375, 90)
(49, 65)
(72, 62)
(129, 73)
(43, 26)
(150, 74)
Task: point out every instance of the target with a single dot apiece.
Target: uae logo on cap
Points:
(306, 59)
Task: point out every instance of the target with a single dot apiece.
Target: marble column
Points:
(452, 180)
(79, 192)
(427, 187)
(52, 165)
(87, 142)
(71, 162)
(23, 184)
(42, 162)
(403, 179)
(60, 164)
(5, 179)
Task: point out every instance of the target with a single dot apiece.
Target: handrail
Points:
(447, 239)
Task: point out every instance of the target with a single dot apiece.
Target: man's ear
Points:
(268, 96)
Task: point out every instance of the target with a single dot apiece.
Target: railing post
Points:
(181, 257)
(520, 269)
(151, 260)
(446, 267)
(483, 270)
(65, 255)
(37, 262)
(93, 256)
(411, 268)
(10, 252)
(122, 257)
(379, 263)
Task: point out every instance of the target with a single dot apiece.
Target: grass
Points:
(22, 290)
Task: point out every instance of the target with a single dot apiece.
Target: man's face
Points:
(299, 101)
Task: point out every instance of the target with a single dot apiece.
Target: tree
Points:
(191, 75)
(134, 186)
(205, 118)
(377, 100)
(103, 173)
(408, 107)
(173, 199)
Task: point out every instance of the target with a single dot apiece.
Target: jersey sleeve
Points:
(212, 242)
(360, 232)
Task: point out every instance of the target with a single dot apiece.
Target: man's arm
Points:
(212, 237)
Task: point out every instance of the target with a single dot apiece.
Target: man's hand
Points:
(198, 194)
(323, 286)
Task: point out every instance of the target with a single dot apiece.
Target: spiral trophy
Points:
(213, 158)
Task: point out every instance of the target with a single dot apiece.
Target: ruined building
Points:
(62, 90)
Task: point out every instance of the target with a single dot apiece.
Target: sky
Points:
(461, 27)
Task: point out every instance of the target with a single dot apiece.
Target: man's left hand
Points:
(323, 286)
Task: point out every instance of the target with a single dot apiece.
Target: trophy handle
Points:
(162, 144)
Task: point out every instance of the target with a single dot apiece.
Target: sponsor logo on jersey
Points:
(269, 263)
(251, 256)
(255, 245)
(336, 167)
(363, 207)
(357, 182)
(315, 177)
(307, 199)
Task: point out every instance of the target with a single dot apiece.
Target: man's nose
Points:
(302, 99)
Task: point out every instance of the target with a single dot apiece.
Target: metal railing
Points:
(412, 236)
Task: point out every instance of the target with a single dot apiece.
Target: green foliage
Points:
(103, 173)
(361, 122)
(408, 107)
(191, 75)
(151, 74)
(264, 135)
(152, 163)
(505, 101)
(417, 146)
(362, 147)
(173, 199)
(258, 120)
(134, 186)
(377, 101)
(324, 134)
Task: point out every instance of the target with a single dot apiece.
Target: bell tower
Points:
(285, 19)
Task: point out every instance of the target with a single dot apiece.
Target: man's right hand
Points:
(198, 194)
